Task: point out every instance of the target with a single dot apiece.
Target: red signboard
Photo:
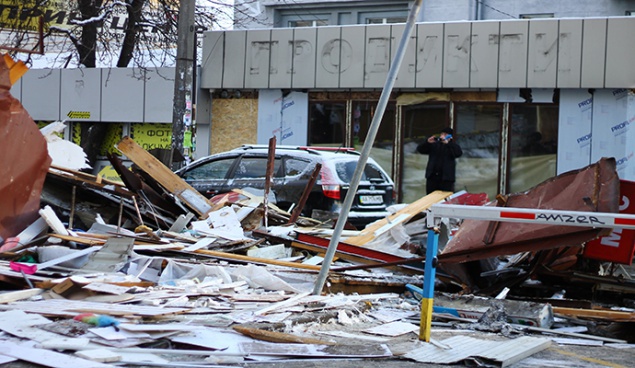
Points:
(619, 245)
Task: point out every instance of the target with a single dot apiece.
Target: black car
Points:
(245, 167)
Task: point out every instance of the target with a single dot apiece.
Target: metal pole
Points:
(430, 272)
(368, 144)
(183, 79)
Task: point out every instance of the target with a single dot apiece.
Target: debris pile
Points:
(151, 272)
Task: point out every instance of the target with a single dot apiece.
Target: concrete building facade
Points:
(528, 97)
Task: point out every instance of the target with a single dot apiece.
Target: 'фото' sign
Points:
(619, 245)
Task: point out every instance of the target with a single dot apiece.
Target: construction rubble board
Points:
(460, 348)
(60, 307)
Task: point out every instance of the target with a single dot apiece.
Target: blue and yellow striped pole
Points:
(428, 285)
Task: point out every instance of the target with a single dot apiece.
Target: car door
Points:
(210, 177)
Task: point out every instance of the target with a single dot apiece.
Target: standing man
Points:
(442, 152)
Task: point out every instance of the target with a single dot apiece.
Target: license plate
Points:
(371, 199)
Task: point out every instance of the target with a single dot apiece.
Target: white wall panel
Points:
(456, 55)
(484, 52)
(304, 53)
(406, 75)
(234, 61)
(80, 93)
(257, 59)
(377, 56)
(569, 53)
(543, 53)
(574, 129)
(620, 66)
(158, 99)
(329, 48)
(122, 95)
(593, 53)
(429, 55)
(212, 60)
(281, 58)
(611, 128)
(512, 62)
(352, 74)
(41, 93)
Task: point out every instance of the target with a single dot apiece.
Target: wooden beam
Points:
(402, 216)
(164, 176)
(609, 315)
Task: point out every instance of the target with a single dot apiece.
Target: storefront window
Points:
(327, 123)
(420, 121)
(533, 140)
(362, 117)
(477, 129)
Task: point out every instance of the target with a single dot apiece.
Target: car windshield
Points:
(345, 170)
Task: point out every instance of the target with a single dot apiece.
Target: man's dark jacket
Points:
(441, 156)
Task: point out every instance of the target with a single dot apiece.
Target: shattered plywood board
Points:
(237, 123)
(404, 215)
(164, 176)
(459, 348)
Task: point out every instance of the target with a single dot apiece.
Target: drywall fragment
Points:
(64, 153)
(54, 222)
(99, 355)
(269, 252)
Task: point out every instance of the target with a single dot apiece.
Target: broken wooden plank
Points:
(379, 227)
(278, 337)
(610, 315)
(164, 176)
(13, 296)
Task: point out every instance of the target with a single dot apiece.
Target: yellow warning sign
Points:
(79, 114)
(109, 173)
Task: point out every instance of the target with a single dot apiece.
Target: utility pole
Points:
(183, 79)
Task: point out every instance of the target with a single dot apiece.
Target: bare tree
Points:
(102, 32)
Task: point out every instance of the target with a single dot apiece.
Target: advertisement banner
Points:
(619, 245)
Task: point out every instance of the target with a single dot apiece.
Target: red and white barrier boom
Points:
(508, 214)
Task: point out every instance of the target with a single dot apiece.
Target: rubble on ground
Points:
(148, 271)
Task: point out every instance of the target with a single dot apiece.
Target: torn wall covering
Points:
(25, 162)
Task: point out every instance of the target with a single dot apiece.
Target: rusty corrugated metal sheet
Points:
(593, 188)
(25, 162)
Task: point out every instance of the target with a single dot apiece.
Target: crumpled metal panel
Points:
(25, 162)
(594, 188)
